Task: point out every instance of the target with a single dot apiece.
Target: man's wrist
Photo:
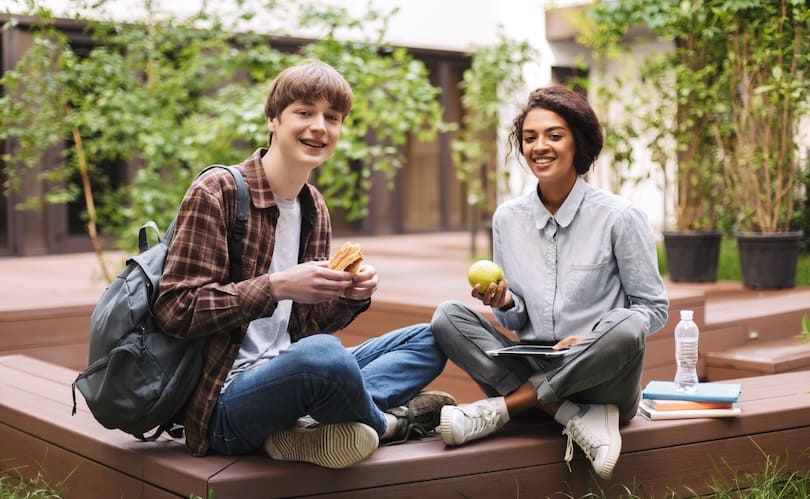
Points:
(355, 300)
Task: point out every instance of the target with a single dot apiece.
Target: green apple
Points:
(484, 272)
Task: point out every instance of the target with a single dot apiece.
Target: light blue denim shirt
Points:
(567, 271)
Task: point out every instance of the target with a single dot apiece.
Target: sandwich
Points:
(348, 258)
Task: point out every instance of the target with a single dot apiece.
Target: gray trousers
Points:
(603, 368)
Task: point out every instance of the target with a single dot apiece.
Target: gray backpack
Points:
(138, 378)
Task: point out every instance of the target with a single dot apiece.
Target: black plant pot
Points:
(692, 256)
(768, 260)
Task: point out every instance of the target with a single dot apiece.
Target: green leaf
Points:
(179, 93)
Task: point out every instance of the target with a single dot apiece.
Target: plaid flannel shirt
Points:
(196, 298)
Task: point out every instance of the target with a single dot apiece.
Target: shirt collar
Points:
(565, 215)
(261, 194)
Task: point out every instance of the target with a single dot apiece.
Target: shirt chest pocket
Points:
(586, 283)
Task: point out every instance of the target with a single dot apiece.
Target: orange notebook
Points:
(685, 405)
(654, 414)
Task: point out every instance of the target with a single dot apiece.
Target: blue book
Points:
(706, 392)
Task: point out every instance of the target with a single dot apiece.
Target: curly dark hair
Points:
(577, 113)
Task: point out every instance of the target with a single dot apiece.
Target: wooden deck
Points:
(45, 304)
(524, 460)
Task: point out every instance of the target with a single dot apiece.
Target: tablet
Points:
(537, 350)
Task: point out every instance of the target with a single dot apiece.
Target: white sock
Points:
(566, 412)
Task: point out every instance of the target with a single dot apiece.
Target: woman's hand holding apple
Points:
(495, 295)
(489, 284)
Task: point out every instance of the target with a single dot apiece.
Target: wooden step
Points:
(758, 357)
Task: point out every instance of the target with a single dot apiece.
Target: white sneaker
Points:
(336, 445)
(465, 422)
(596, 431)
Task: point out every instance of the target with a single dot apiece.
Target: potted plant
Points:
(766, 80)
(673, 107)
(692, 249)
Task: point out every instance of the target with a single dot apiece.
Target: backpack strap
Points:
(174, 430)
(143, 240)
(236, 234)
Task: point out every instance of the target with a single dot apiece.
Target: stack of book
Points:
(660, 400)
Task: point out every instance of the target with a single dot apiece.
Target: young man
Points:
(279, 383)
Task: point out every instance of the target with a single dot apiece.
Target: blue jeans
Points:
(319, 377)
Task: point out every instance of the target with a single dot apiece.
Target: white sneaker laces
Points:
(480, 418)
(578, 433)
(306, 423)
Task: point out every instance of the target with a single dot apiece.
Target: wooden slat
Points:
(751, 307)
(541, 464)
(533, 443)
(765, 357)
(722, 374)
(34, 404)
(685, 470)
(717, 340)
(74, 321)
(165, 464)
(58, 335)
(45, 311)
(44, 330)
(67, 472)
(42, 404)
(38, 369)
(70, 355)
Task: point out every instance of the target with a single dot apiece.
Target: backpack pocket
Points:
(119, 386)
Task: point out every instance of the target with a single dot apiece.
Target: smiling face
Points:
(547, 144)
(306, 132)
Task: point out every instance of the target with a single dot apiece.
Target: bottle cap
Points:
(686, 315)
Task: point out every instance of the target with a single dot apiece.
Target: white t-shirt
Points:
(266, 337)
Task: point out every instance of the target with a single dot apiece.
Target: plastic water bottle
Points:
(686, 353)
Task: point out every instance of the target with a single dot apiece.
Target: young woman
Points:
(581, 275)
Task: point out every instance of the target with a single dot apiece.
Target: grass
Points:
(14, 486)
(728, 265)
(774, 482)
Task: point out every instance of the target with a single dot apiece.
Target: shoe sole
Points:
(446, 427)
(612, 413)
(335, 446)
